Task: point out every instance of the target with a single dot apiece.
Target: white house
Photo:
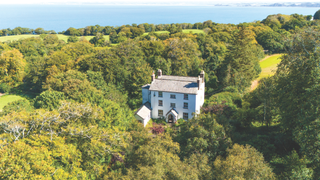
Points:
(171, 97)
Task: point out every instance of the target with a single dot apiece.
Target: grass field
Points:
(184, 31)
(199, 31)
(269, 65)
(5, 99)
(60, 36)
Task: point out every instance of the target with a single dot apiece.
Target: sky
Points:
(137, 2)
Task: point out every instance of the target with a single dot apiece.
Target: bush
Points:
(157, 128)
(4, 88)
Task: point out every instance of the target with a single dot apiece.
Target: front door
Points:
(170, 118)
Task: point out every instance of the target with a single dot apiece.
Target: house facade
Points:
(171, 97)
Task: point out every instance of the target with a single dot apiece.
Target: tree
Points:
(241, 65)
(39, 31)
(316, 15)
(21, 161)
(202, 135)
(73, 39)
(98, 40)
(242, 162)
(49, 100)
(12, 66)
(184, 56)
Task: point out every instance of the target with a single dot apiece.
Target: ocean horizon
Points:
(61, 17)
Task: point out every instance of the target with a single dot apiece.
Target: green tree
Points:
(316, 15)
(242, 162)
(73, 39)
(241, 65)
(202, 135)
(12, 66)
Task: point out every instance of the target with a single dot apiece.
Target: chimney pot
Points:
(159, 73)
(202, 76)
(153, 77)
(199, 82)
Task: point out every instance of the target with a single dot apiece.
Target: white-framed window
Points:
(185, 105)
(172, 105)
(172, 96)
(185, 116)
(160, 103)
(185, 97)
(160, 112)
(160, 94)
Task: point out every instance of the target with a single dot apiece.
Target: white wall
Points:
(200, 98)
(179, 101)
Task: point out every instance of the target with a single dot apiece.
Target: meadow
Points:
(65, 37)
(268, 68)
(5, 99)
(60, 36)
(269, 65)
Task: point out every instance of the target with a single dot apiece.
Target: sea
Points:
(61, 17)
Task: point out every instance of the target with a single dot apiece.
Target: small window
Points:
(173, 105)
(160, 103)
(185, 116)
(160, 113)
(160, 93)
(172, 96)
(185, 97)
(185, 105)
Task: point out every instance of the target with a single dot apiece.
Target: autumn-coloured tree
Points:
(12, 66)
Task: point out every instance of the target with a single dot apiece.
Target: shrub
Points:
(157, 128)
(4, 88)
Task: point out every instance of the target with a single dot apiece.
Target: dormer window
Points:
(172, 96)
(185, 97)
(160, 94)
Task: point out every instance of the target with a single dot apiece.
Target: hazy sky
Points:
(145, 1)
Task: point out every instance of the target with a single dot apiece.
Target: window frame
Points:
(174, 105)
(160, 92)
(172, 96)
(185, 105)
(160, 103)
(186, 96)
(160, 110)
(185, 116)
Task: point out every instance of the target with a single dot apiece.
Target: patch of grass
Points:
(60, 36)
(16, 37)
(269, 65)
(199, 31)
(5, 99)
(161, 32)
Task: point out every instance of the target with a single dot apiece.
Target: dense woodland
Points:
(78, 119)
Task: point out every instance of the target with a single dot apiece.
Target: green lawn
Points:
(199, 31)
(5, 99)
(16, 37)
(184, 31)
(60, 36)
(161, 32)
(269, 65)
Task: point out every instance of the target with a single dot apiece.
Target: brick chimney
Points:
(199, 82)
(159, 73)
(153, 77)
(202, 76)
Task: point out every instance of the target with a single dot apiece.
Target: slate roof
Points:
(144, 111)
(178, 84)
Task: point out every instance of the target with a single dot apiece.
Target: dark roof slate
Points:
(178, 84)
